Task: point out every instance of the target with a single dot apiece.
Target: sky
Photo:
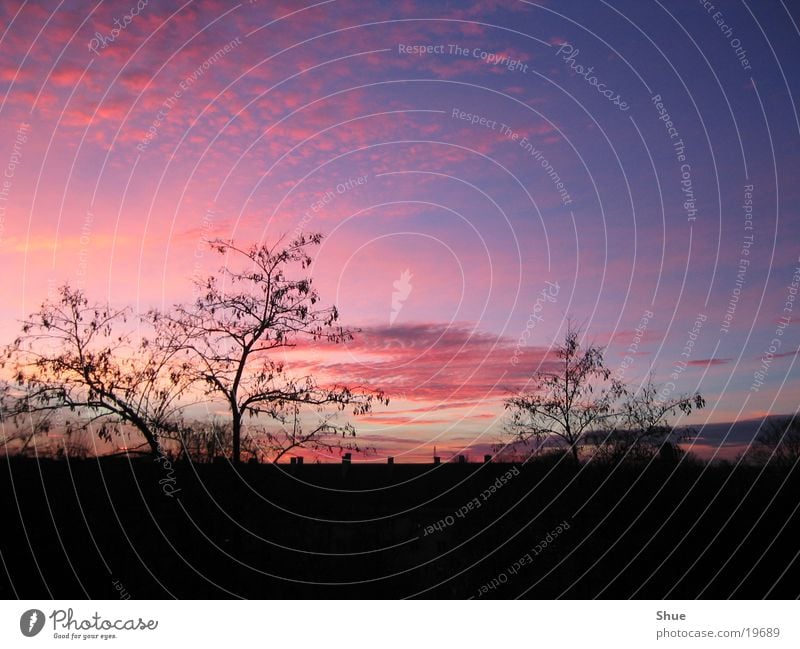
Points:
(482, 171)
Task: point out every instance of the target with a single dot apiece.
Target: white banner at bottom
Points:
(390, 624)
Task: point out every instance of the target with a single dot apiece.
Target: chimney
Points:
(487, 459)
(437, 459)
(389, 460)
(299, 460)
(292, 460)
(462, 459)
(346, 458)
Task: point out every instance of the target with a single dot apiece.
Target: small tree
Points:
(778, 442)
(76, 356)
(642, 425)
(245, 314)
(569, 402)
(203, 440)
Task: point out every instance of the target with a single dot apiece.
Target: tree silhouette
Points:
(203, 440)
(641, 426)
(247, 312)
(79, 356)
(778, 442)
(569, 402)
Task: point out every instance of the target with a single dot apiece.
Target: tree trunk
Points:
(149, 436)
(574, 449)
(237, 437)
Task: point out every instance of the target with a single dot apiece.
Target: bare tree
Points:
(203, 440)
(778, 442)
(569, 402)
(247, 313)
(76, 356)
(642, 425)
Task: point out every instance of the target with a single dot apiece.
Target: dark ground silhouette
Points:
(72, 529)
